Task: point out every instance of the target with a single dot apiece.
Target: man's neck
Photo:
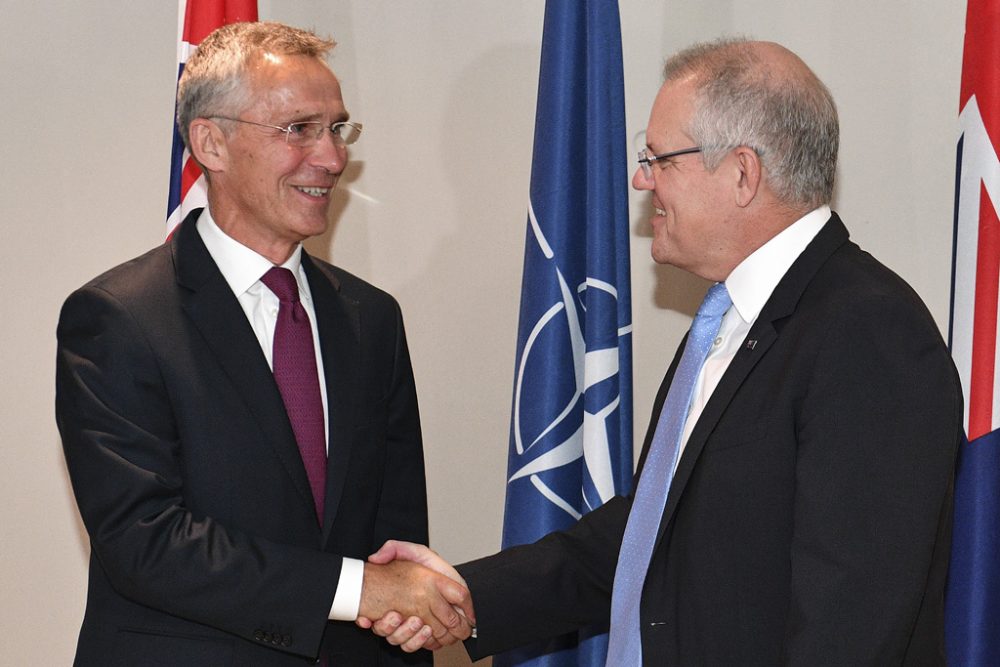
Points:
(233, 225)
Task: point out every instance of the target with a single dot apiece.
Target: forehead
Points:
(671, 113)
(295, 86)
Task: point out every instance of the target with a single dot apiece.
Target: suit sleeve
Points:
(402, 512)
(122, 448)
(553, 586)
(877, 435)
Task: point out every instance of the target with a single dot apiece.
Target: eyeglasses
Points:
(646, 160)
(306, 133)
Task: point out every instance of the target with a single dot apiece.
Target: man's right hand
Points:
(438, 609)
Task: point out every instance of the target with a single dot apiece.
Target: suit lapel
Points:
(215, 311)
(338, 322)
(761, 337)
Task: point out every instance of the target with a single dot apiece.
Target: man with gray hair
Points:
(794, 495)
(239, 419)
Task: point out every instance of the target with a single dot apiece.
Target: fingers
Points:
(396, 549)
(432, 644)
(451, 606)
(411, 635)
(453, 626)
(422, 639)
(385, 554)
(440, 616)
(460, 598)
(388, 624)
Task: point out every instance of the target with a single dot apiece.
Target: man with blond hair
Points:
(239, 419)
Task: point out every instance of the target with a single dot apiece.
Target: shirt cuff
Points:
(347, 599)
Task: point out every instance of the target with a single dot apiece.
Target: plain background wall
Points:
(432, 209)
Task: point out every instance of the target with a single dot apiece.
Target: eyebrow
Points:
(317, 117)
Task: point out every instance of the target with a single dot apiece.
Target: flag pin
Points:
(751, 344)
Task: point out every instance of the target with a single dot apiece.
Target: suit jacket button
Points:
(286, 640)
(258, 634)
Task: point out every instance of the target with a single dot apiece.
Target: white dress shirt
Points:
(750, 285)
(242, 268)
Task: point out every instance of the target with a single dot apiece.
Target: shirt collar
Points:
(753, 280)
(239, 265)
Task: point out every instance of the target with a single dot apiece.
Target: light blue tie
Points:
(624, 645)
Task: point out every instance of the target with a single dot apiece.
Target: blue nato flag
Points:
(571, 423)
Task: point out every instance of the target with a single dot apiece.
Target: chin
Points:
(661, 249)
(660, 257)
(310, 228)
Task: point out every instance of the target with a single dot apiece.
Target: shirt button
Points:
(718, 341)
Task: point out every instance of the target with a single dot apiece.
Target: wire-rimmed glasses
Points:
(306, 133)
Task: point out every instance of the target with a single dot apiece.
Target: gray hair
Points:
(214, 82)
(790, 120)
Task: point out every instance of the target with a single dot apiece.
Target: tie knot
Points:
(716, 302)
(281, 281)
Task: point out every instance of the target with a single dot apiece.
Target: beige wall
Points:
(433, 209)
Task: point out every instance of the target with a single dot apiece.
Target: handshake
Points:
(414, 598)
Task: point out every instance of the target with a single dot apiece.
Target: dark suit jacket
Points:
(809, 521)
(205, 545)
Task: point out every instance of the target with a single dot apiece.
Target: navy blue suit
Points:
(205, 545)
(809, 521)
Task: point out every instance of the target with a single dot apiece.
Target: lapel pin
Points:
(751, 344)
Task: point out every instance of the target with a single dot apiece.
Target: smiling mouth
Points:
(313, 192)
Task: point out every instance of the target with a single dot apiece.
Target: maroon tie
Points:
(298, 381)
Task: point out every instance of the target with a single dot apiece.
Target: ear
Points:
(209, 144)
(749, 175)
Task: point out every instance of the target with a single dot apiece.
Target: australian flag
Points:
(571, 424)
(973, 596)
(195, 20)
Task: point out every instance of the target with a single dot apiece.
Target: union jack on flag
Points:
(973, 596)
(195, 20)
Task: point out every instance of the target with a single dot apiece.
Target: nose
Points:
(639, 180)
(329, 154)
